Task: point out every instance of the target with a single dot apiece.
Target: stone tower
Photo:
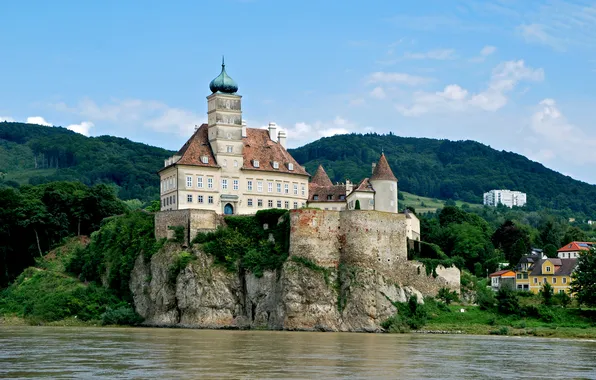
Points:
(224, 120)
(385, 185)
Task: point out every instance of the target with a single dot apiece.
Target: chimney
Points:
(281, 137)
(243, 128)
(349, 187)
(273, 131)
(374, 165)
(197, 127)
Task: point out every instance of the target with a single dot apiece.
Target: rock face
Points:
(342, 274)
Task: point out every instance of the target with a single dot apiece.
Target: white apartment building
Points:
(508, 198)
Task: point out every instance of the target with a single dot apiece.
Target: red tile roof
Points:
(196, 147)
(382, 170)
(324, 192)
(321, 178)
(257, 146)
(577, 246)
(503, 272)
(364, 185)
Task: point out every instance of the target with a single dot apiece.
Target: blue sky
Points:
(515, 75)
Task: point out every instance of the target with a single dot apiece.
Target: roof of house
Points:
(321, 178)
(257, 146)
(577, 246)
(365, 185)
(382, 170)
(503, 273)
(563, 267)
(333, 193)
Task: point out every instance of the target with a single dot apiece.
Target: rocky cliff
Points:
(331, 281)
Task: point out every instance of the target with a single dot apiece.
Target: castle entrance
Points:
(228, 209)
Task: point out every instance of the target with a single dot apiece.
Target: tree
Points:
(447, 295)
(547, 294)
(574, 233)
(357, 206)
(551, 232)
(583, 283)
(550, 251)
(507, 302)
(506, 238)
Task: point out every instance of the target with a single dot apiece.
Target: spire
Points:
(223, 82)
(321, 178)
(383, 171)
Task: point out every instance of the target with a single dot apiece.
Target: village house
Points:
(554, 271)
(502, 279)
(572, 250)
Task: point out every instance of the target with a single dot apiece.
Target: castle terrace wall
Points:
(193, 221)
(373, 239)
(313, 235)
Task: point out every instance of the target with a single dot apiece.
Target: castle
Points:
(231, 169)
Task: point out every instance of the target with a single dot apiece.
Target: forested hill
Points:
(36, 154)
(459, 170)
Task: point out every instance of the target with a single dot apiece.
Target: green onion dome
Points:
(223, 82)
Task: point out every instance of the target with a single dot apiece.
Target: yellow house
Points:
(556, 272)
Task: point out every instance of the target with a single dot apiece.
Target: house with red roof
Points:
(572, 250)
(501, 279)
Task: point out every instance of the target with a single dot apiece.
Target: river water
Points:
(127, 353)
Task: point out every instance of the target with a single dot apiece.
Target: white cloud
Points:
(82, 128)
(38, 120)
(537, 33)
(485, 52)
(6, 118)
(135, 113)
(504, 79)
(301, 133)
(438, 54)
(378, 93)
(398, 78)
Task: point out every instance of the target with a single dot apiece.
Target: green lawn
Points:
(425, 204)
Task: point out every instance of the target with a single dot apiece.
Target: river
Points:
(126, 353)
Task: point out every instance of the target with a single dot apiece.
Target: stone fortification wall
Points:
(193, 221)
(374, 240)
(313, 235)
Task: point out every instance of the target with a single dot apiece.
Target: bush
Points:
(123, 315)
(180, 262)
(410, 315)
(507, 302)
(447, 296)
(547, 294)
(562, 299)
(178, 233)
(485, 299)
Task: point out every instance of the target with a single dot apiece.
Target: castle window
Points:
(210, 183)
(224, 184)
(295, 205)
(278, 204)
(260, 186)
(189, 181)
(269, 187)
(255, 163)
(286, 188)
(235, 163)
(279, 187)
(210, 199)
(329, 197)
(290, 166)
(260, 202)
(371, 202)
(249, 185)
(269, 203)
(303, 190)
(342, 197)
(200, 198)
(295, 189)
(189, 198)
(205, 159)
(224, 163)
(249, 202)
(275, 165)
(315, 197)
(235, 184)
(200, 182)
(230, 149)
(287, 204)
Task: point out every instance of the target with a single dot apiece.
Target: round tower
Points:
(385, 185)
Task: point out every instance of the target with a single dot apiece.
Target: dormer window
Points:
(290, 166)
(255, 163)
(205, 159)
(315, 197)
(275, 165)
(329, 197)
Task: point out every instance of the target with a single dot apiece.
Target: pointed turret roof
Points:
(383, 171)
(321, 178)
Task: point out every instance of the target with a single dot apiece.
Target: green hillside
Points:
(36, 154)
(425, 204)
(443, 169)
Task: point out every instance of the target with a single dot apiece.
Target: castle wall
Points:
(193, 221)
(314, 236)
(372, 239)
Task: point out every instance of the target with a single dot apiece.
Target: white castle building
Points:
(506, 197)
(229, 168)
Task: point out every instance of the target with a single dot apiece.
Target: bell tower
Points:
(224, 120)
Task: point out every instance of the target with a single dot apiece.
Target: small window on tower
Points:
(230, 149)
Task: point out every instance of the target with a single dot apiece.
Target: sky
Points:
(515, 75)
